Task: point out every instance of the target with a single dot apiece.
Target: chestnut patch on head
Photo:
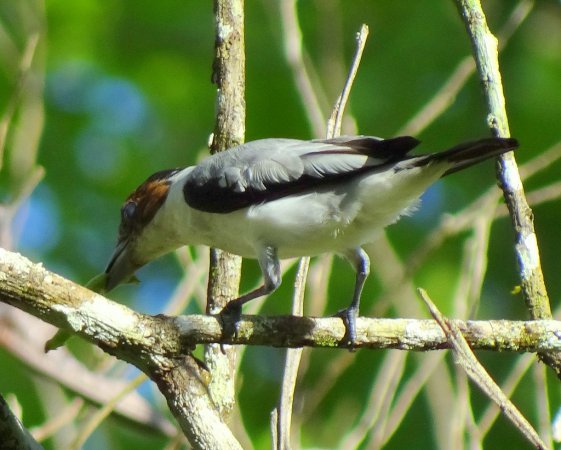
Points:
(141, 206)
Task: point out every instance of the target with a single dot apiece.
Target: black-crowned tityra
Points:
(282, 198)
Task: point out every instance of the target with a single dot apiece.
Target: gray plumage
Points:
(272, 168)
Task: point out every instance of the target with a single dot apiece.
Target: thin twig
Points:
(293, 49)
(103, 413)
(293, 357)
(294, 54)
(334, 123)
(444, 98)
(24, 69)
(464, 356)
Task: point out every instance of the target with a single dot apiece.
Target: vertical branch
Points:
(224, 274)
(228, 73)
(186, 388)
(283, 412)
(281, 416)
(485, 50)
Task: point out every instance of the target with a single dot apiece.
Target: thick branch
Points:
(161, 345)
(150, 343)
(400, 334)
(229, 74)
(224, 275)
(157, 344)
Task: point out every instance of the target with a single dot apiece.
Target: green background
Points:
(127, 92)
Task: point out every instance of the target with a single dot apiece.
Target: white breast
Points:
(333, 219)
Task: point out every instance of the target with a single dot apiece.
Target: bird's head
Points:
(141, 238)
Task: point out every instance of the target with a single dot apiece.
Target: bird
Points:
(278, 198)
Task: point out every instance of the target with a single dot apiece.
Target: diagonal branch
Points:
(465, 358)
(485, 50)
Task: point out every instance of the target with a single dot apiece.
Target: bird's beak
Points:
(121, 267)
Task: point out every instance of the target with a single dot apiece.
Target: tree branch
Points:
(14, 435)
(150, 343)
(95, 387)
(485, 50)
(464, 357)
(224, 273)
(449, 90)
(157, 345)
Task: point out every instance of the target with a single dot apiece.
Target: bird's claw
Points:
(349, 315)
(230, 316)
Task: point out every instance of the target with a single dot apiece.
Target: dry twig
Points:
(464, 356)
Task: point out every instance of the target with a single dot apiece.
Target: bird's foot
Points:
(349, 315)
(230, 317)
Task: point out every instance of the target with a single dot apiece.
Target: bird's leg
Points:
(270, 267)
(360, 261)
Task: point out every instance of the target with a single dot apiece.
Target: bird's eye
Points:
(127, 212)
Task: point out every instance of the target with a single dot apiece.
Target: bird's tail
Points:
(473, 152)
